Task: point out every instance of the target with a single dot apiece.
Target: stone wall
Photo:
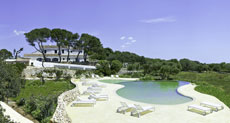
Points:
(31, 72)
(60, 115)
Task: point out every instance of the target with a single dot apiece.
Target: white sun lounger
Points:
(84, 102)
(203, 110)
(112, 76)
(117, 76)
(125, 107)
(215, 107)
(140, 109)
(88, 83)
(99, 85)
(98, 97)
(93, 76)
(95, 88)
(97, 76)
(88, 92)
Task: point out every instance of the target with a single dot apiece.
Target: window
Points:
(55, 51)
(63, 58)
(45, 51)
(71, 51)
(63, 51)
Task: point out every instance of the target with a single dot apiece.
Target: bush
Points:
(147, 77)
(125, 76)
(20, 102)
(137, 75)
(78, 73)
(58, 74)
(115, 66)
(106, 68)
(103, 67)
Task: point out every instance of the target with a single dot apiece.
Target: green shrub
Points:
(58, 74)
(147, 77)
(137, 75)
(41, 101)
(103, 67)
(115, 66)
(20, 102)
(125, 76)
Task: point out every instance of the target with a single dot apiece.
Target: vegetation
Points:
(92, 46)
(17, 52)
(37, 38)
(60, 37)
(5, 54)
(10, 80)
(86, 73)
(107, 68)
(40, 100)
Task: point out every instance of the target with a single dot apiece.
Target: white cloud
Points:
(123, 46)
(159, 20)
(19, 32)
(122, 38)
(127, 43)
(130, 38)
(133, 41)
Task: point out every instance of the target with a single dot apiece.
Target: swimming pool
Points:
(153, 92)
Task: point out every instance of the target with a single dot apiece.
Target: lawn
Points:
(34, 87)
(40, 100)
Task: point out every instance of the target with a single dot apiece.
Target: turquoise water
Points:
(164, 93)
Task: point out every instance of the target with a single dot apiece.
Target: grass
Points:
(212, 83)
(40, 100)
(34, 87)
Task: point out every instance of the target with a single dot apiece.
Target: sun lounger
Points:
(139, 110)
(112, 76)
(88, 92)
(95, 88)
(200, 109)
(125, 108)
(215, 107)
(97, 76)
(98, 97)
(117, 76)
(84, 102)
(88, 83)
(99, 85)
(93, 76)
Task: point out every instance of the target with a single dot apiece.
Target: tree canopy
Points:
(5, 54)
(37, 38)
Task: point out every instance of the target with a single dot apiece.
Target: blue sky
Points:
(166, 29)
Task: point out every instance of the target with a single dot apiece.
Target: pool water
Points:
(152, 92)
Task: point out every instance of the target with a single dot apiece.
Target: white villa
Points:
(51, 52)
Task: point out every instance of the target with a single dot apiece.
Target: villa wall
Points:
(60, 115)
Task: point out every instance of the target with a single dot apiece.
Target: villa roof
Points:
(54, 46)
(40, 55)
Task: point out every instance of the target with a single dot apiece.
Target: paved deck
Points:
(105, 111)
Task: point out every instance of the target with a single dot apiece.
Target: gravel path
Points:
(15, 116)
